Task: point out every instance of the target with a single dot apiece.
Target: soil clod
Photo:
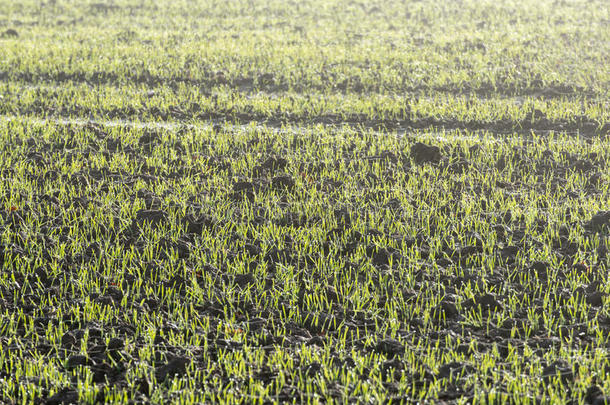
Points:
(422, 153)
(390, 347)
(283, 182)
(154, 217)
(10, 33)
(174, 368)
(63, 397)
(600, 222)
(559, 370)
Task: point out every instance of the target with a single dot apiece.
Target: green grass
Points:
(222, 202)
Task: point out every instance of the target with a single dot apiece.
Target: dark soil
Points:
(166, 236)
(582, 125)
(10, 33)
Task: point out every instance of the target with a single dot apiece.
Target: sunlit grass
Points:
(221, 202)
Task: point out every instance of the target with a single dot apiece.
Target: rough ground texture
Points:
(318, 201)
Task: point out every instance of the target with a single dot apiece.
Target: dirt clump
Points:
(10, 33)
(422, 153)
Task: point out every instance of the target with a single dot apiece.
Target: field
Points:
(248, 201)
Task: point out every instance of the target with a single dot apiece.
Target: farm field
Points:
(316, 201)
